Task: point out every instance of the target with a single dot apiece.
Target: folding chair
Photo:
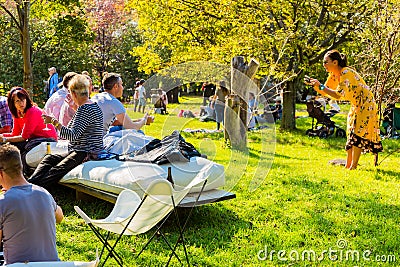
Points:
(391, 121)
(133, 216)
(395, 130)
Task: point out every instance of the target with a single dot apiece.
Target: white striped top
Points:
(85, 130)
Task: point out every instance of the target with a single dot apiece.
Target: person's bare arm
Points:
(59, 214)
(5, 129)
(129, 124)
(11, 139)
(326, 91)
(118, 123)
(1, 235)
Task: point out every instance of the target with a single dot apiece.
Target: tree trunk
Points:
(234, 129)
(289, 106)
(175, 95)
(23, 12)
(235, 122)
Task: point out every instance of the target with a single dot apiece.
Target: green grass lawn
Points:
(290, 203)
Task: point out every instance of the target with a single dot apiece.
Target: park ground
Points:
(290, 204)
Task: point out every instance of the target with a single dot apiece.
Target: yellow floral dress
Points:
(362, 120)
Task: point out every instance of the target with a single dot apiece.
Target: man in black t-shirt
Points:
(208, 90)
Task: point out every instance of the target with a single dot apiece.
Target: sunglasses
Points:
(15, 89)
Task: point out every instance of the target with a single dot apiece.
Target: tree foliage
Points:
(18, 12)
(60, 38)
(55, 30)
(379, 56)
(115, 35)
(62, 35)
(10, 54)
(286, 36)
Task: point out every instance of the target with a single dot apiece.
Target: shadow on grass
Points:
(209, 227)
(385, 215)
(66, 199)
(212, 226)
(253, 153)
(373, 221)
(286, 157)
(199, 135)
(390, 173)
(363, 220)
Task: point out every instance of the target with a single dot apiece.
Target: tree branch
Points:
(196, 7)
(192, 34)
(17, 24)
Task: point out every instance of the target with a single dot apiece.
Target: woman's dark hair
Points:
(336, 55)
(67, 78)
(22, 94)
(110, 79)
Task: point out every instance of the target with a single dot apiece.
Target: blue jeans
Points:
(115, 128)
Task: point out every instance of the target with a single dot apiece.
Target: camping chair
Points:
(392, 122)
(396, 122)
(133, 216)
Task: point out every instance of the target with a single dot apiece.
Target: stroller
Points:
(391, 121)
(324, 126)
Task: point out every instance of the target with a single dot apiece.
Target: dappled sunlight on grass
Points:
(288, 198)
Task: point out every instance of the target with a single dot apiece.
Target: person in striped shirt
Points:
(84, 132)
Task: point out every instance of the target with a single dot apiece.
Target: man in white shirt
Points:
(142, 95)
(114, 113)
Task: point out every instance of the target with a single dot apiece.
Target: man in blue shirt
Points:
(114, 112)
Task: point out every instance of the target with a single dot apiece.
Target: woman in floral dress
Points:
(345, 83)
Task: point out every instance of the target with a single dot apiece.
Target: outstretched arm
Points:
(129, 124)
(323, 89)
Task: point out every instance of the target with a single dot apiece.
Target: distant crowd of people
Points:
(214, 104)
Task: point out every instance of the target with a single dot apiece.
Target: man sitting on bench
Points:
(115, 117)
